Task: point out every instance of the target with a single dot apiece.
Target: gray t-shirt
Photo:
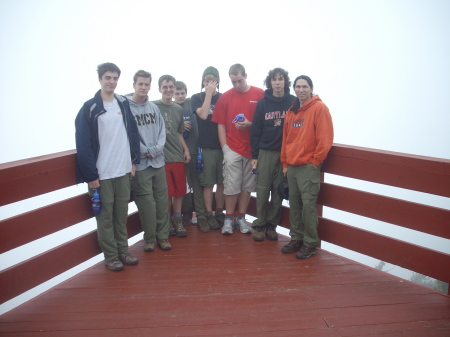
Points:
(174, 123)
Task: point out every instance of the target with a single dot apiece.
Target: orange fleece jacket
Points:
(307, 135)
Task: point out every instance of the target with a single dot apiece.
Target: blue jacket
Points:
(86, 136)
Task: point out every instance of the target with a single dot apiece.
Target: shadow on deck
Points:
(215, 285)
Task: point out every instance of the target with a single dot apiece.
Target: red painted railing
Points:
(35, 176)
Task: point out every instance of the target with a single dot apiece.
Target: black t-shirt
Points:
(207, 131)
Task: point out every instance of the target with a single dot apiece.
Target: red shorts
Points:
(176, 179)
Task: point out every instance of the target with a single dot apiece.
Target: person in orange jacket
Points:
(307, 138)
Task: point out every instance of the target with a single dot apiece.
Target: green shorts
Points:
(212, 167)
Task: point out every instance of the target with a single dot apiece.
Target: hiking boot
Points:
(114, 264)
(243, 226)
(292, 246)
(220, 218)
(271, 232)
(164, 244)
(186, 218)
(212, 222)
(171, 228)
(306, 252)
(179, 229)
(258, 233)
(227, 228)
(149, 246)
(128, 259)
(203, 225)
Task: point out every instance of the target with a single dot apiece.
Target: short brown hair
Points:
(237, 69)
(180, 86)
(142, 73)
(104, 67)
(166, 78)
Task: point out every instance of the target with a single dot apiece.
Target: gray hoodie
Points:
(152, 133)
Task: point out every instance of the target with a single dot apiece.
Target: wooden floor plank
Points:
(213, 285)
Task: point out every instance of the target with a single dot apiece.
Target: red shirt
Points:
(230, 104)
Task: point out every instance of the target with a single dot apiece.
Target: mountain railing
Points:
(31, 177)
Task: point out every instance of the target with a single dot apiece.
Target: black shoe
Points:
(271, 232)
(220, 218)
(212, 222)
(306, 252)
(292, 246)
(258, 233)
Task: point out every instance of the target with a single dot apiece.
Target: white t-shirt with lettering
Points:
(114, 158)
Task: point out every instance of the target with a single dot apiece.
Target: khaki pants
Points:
(304, 186)
(151, 197)
(237, 173)
(112, 220)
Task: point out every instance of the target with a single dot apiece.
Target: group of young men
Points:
(128, 143)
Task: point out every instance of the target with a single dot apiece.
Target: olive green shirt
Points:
(174, 122)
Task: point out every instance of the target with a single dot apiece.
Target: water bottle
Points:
(238, 118)
(186, 132)
(96, 204)
(199, 163)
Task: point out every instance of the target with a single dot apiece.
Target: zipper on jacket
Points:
(126, 128)
(96, 131)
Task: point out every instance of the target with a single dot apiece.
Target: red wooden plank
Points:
(429, 175)
(422, 218)
(422, 260)
(35, 176)
(212, 285)
(421, 163)
(32, 272)
(33, 225)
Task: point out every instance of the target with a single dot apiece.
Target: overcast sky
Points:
(381, 66)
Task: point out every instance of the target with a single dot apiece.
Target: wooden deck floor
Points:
(213, 285)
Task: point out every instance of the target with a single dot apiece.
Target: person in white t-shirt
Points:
(107, 144)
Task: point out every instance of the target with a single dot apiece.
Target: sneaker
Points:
(179, 229)
(114, 264)
(187, 218)
(220, 218)
(212, 222)
(306, 252)
(258, 233)
(128, 259)
(227, 228)
(271, 232)
(203, 225)
(292, 246)
(164, 244)
(243, 226)
(171, 228)
(149, 246)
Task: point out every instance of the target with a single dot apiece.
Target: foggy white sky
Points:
(381, 66)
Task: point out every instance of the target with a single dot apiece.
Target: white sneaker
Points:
(243, 226)
(227, 228)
